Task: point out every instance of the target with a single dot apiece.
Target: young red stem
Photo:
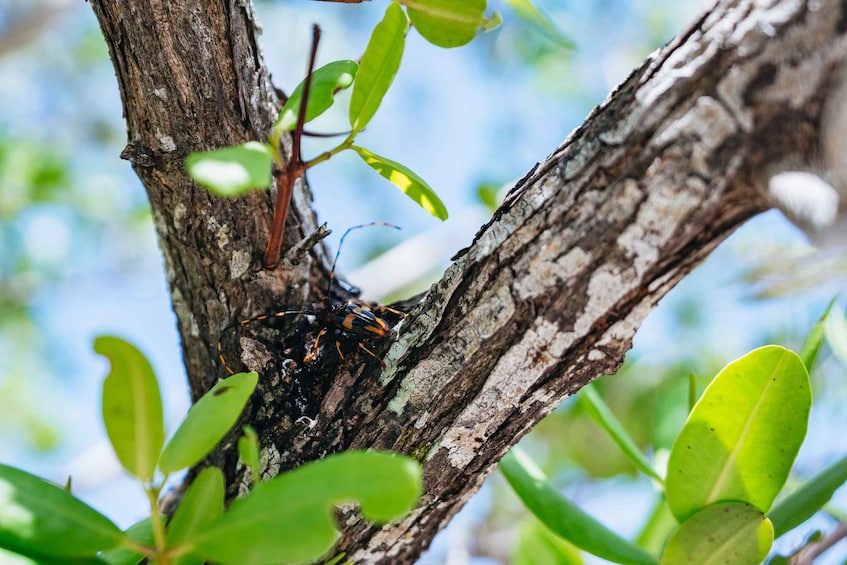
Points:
(286, 178)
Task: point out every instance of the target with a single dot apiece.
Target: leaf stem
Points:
(288, 175)
(157, 523)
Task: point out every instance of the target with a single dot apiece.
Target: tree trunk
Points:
(548, 295)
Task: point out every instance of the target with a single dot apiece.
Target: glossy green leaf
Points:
(232, 171)
(726, 532)
(539, 546)
(806, 500)
(599, 411)
(290, 518)
(40, 518)
(812, 345)
(530, 13)
(207, 422)
(406, 180)
(835, 329)
(563, 517)
(142, 532)
(448, 23)
(378, 66)
(742, 436)
(132, 407)
(326, 82)
(248, 451)
(202, 505)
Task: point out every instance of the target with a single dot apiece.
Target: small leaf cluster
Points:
(233, 171)
(283, 520)
(727, 466)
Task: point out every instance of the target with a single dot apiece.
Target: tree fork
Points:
(552, 289)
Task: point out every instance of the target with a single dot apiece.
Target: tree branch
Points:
(550, 292)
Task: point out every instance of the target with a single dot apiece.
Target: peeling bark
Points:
(550, 292)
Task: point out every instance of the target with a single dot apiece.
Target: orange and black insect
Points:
(352, 321)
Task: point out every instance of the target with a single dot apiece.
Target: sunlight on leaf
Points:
(406, 180)
(232, 171)
(742, 436)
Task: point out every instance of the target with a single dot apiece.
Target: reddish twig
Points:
(286, 178)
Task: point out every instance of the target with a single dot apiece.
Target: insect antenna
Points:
(341, 243)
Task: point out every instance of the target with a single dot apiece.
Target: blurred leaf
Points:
(378, 66)
(836, 334)
(248, 451)
(562, 516)
(488, 195)
(326, 82)
(290, 518)
(447, 23)
(743, 434)
(202, 505)
(207, 422)
(600, 413)
(726, 532)
(531, 14)
(812, 345)
(811, 496)
(132, 407)
(406, 180)
(40, 518)
(539, 546)
(658, 527)
(142, 532)
(232, 171)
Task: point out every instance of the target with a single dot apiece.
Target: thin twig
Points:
(287, 177)
(296, 253)
(808, 554)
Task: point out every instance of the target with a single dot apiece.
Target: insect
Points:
(353, 320)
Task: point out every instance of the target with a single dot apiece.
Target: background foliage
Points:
(78, 256)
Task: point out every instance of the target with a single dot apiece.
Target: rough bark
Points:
(550, 292)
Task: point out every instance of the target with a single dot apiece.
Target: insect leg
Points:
(372, 354)
(311, 356)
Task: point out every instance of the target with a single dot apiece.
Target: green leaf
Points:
(658, 527)
(248, 451)
(40, 518)
(326, 82)
(378, 66)
(232, 171)
(801, 504)
(530, 13)
(539, 546)
(207, 422)
(812, 345)
(836, 334)
(142, 532)
(290, 518)
(448, 23)
(726, 532)
(563, 517)
(406, 180)
(132, 407)
(742, 436)
(202, 505)
(594, 406)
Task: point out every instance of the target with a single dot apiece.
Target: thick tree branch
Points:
(550, 292)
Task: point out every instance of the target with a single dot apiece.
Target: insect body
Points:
(351, 322)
